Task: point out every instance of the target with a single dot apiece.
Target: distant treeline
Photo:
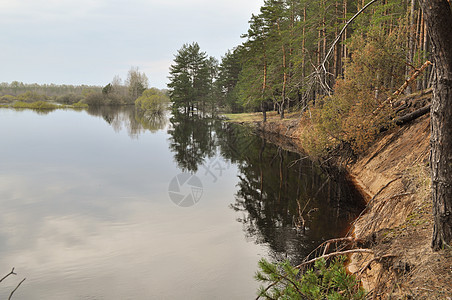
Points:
(116, 92)
(17, 88)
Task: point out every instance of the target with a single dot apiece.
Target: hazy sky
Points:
(91, 41)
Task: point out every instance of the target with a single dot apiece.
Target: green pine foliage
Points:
(323, 281)
(191, 79)
(226, 81)
(288, 61)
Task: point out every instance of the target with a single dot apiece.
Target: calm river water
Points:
(106, 204)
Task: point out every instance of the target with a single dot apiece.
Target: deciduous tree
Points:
(137, 83)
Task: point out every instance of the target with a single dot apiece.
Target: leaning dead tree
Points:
(322, 73)
(402, 88)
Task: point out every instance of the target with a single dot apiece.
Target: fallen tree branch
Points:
(416, 73)
(344, 239)
(326, 256)
(404, 86)
(414, 115)
(409, 100)
(327, 243)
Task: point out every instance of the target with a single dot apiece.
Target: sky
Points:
(90, 41)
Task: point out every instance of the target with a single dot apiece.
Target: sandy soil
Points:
(398, 221)
(397, 224)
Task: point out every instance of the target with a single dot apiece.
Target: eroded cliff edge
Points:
(397, 225)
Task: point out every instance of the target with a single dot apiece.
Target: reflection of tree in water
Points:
(275, 185)
(151, 122)
(120, 117)
(38, 111)
(192, 140)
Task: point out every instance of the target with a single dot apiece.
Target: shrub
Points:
(35, 105)
(7, 99)
(113, 99)
(31, 97)
(152, 101)
(324, 281)
(358, 109)
(69, 98)
(94, 99)
(80, 104)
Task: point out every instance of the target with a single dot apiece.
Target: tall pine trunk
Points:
(284, 67)
(411, 45)
(344, 46)
(264, 87)
(438, 16)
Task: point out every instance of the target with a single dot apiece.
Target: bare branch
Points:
(416, 73)
(10, 273)
(400, 90)
(338, 37)
(327, 243)
(334, 254)
(11, 295)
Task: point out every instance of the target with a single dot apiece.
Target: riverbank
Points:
(397, 224)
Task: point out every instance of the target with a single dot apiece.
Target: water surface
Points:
(86, 211)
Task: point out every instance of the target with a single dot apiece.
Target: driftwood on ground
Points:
(412, 116)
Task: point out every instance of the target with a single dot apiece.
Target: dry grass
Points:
(243, 117)
(272, 116)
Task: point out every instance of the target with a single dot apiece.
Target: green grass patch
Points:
(35, 105)
(79, 105)
(272, 116)
(244, 117)
(43, 105)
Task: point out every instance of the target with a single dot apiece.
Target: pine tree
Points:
(228, 76)
(191, 78)
(438, 16)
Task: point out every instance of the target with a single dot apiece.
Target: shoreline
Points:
(393, 177)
